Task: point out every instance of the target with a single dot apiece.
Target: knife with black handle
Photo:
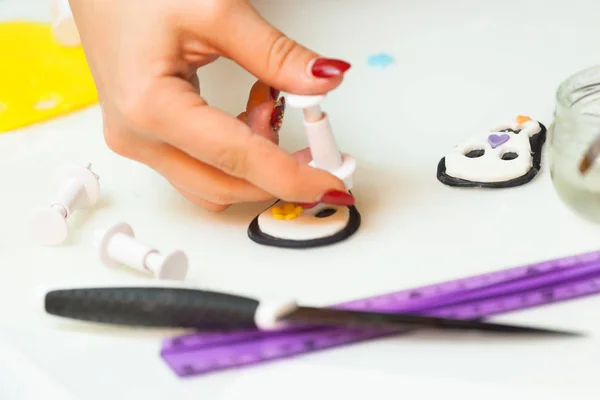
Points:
(163, 307)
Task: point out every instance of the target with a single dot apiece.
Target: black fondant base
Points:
(256, 235)
(536, 142)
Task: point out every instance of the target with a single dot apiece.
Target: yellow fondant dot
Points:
(39, 78)
(288, 208)
(286, 212)
(276, 210)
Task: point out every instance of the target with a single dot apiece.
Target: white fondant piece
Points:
(490, 167)
(305, 226)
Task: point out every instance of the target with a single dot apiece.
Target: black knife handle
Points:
(154, 307)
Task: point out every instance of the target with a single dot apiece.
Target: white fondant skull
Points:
(484, 159)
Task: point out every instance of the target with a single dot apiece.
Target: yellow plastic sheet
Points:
(39, 78)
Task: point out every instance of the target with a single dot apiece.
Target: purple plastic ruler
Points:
(474, 297)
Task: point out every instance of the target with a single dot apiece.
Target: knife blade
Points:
(402, 321)
(164, 307)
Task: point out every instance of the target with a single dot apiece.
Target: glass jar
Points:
(576, 125)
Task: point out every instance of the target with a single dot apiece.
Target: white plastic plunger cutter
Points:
(323, 147)
(118, 246)
(77, 188)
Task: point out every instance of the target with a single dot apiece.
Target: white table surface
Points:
(461, 66)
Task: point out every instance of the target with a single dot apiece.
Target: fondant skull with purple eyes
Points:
(506, 156)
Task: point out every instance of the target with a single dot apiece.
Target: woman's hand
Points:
(144, 56)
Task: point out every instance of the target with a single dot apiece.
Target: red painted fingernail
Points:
(327, 68)
(274, 93)
(277, 115)
(338, 198)
(307, 206)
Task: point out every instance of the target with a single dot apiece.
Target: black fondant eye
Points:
(509, 156)
(328, 212)
(475, 153)
(511, 130)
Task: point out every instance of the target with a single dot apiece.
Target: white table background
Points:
(461, 66)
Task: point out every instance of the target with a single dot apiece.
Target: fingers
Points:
(243, 117)
(173, 165)
(211, 136)
(195, 81)
(263, 114)
(303, 156)
(245, 37)
(260, 93)
(266, 119)
(200, 181)
(207, 205)
(260, 118)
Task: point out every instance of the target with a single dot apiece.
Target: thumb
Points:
(248, 39)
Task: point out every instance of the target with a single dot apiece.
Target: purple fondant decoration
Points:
(496, 140)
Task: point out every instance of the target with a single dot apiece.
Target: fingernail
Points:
(277, 115)
(308, 206)
(338, 198)
(327, 68)
(274, 94)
